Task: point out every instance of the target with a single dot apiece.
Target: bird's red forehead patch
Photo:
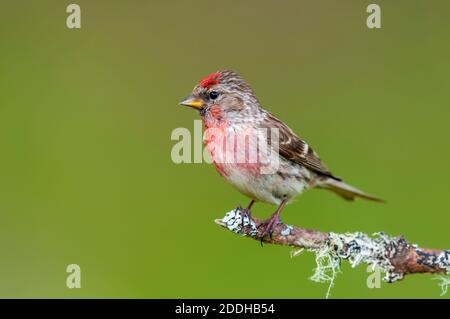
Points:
(210, 80)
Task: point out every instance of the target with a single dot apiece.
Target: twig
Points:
(395, 256)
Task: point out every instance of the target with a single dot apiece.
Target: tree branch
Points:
(395, 256)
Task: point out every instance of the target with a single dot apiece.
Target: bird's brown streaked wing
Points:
(292, 148)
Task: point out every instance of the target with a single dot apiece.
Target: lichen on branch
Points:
(394, 256)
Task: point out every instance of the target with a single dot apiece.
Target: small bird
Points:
(229, 107)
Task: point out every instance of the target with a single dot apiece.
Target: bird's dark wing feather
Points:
(292, 148)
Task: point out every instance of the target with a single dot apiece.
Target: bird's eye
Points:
(213, 95)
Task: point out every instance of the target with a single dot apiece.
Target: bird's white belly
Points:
(269, 188)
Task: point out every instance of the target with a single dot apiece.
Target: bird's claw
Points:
(269, 225)
(246, 216)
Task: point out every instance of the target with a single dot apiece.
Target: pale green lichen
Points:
(328, 265)
(296, 252)
(444, 283)
(356, 248)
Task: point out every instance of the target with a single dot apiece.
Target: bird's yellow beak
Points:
(194, 102)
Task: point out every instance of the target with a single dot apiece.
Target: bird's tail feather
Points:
(346, 191)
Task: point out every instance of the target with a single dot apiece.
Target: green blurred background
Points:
(86, 116)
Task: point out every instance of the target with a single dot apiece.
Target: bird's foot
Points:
(246, 212)
(246, 217)
(269, 225)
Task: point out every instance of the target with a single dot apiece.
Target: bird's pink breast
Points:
(229, 156)
(213, 143)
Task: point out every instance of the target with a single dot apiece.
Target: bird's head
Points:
(223, 94)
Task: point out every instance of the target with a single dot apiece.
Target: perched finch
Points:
(229, 109)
